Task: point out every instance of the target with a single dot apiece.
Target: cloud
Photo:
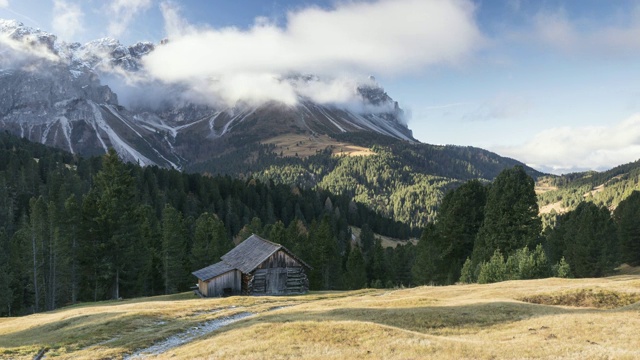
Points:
(122, 12)
(555, 29)
(174, 24)
(352, 40)
(67, 19)
(604, 38)
(17, 48)
(568, 149)
(4, 4)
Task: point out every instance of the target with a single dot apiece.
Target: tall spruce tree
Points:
(70, 238)
(322, 249)
(586, 237)
(6, 276)
(173, 249)
(627, 218)
(115, 201)
(356, 274)
(38, 234)
(459, 220)
(511, 216)
(376, 265)
(428, 265)
(210, 241)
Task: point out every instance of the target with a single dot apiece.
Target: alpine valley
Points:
(87, 98)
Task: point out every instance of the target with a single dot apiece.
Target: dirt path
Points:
(187, 336)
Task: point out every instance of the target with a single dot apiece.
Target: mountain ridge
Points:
(68, 105)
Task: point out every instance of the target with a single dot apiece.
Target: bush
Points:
(467, 275)
(561, 269)
(493, 271)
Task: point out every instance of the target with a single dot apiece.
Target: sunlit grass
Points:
(452, 322)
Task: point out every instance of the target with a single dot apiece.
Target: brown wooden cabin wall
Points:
(279, 259)
(202, 286)
(229, 280)
(280, 274)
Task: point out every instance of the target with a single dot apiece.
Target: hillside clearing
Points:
(305, 146)
(449, 322)
(385, 240)
(555, 207)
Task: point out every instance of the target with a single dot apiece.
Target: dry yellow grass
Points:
(452, 322)
(304, 146)
(556, 206)
(543, 188)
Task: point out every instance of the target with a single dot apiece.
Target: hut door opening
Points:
(276, 281)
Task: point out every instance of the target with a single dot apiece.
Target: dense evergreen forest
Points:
(494, 233)
(402, 180)
(607, 188)
(74, 229)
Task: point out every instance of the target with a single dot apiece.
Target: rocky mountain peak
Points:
(60, 99)
(16, 31)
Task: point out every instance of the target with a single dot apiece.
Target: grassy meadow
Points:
(532, 319)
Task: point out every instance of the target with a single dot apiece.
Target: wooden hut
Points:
(255, 267)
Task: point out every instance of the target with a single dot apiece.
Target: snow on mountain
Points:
(53, 92)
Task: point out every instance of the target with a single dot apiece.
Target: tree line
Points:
(489, 233)
(402, 180)
(75, 229)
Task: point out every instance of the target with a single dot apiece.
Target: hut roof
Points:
(212, 271)
(249, 254)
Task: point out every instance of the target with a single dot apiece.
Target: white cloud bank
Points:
(569, 149)
(16, 50)
(67, 19)
(122, 13)
(352, 40)
(558, 31)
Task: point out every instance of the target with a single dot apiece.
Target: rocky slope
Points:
(54, 93)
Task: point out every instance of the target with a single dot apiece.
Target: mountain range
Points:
(53, 92)
(87, 98)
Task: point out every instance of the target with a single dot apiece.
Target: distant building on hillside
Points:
(255, 267)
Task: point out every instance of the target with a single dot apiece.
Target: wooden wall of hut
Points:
(226, 284)
(279, 274)
(279, 259)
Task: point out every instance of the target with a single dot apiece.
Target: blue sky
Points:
(551, 83)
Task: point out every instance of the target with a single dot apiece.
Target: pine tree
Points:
(115, 200)
(460, 217)
(586, 238)
(627, 218)
(38, 234)
(210, 241)
(297, 237)
(173, 249)
(6, 276)
(467, 273)
(278, 234)
(367, 238)
(356, 274)
(150, 278)
(494, 270)
(376, 267)
(561, 269)
(323, 251)
(428, 264)
(511, 216)
(70, 238)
